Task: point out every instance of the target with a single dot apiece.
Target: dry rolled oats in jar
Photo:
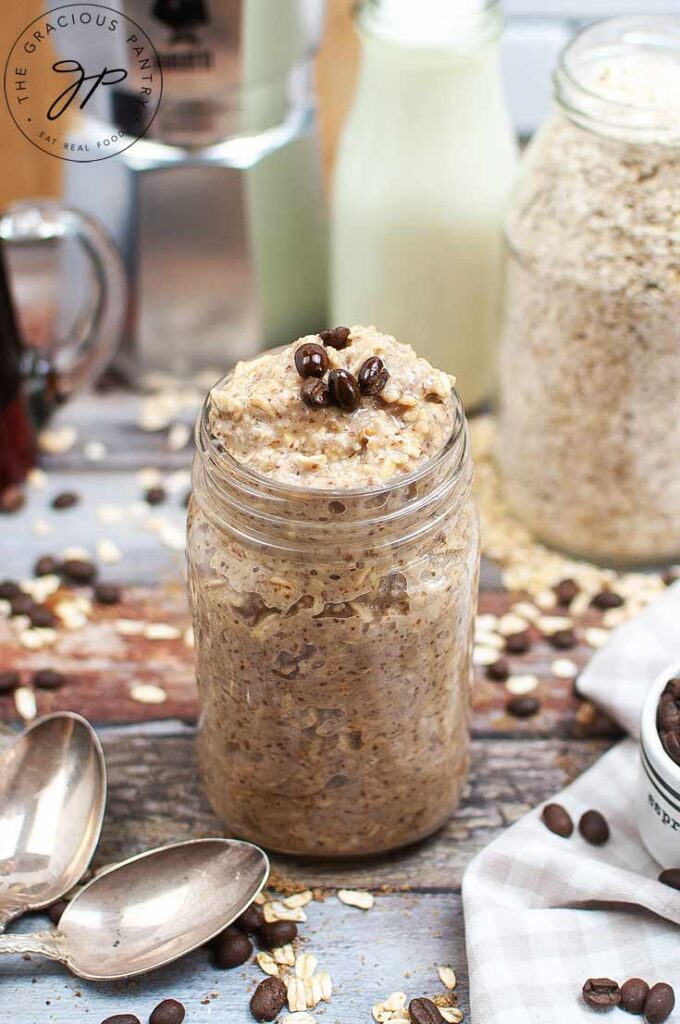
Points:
(590, 363)
(333, 553)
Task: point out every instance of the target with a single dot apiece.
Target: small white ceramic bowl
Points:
(659, 783)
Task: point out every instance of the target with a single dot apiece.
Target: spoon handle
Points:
(47, 944)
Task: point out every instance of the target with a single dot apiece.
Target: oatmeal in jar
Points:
(333, 551)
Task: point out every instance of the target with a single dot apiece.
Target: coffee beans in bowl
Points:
(668, 719)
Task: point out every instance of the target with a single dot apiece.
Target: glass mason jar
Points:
(333, 634)
(589, 440)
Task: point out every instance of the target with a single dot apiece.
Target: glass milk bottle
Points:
(422, 178)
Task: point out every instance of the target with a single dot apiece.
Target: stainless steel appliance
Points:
(218, 210)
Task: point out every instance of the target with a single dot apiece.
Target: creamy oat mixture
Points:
(258, 416)
(334, 647)
(590, 362)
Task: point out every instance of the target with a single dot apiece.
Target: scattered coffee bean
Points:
(56, 910)
(41, 617)
(606, 600)
(48, 679)
(12, 499)
(566, 591)
(230, 948)
(79, 570)
(311, 360)
(518, 643)
(122, 1018)
(424, 1011)
(46, 566)
(9, 681)
(563, 639)
(671, 877)
(8, 590)
(168, 1012)
(22, 604)
(315, 394)
(594, 828)
(522, 707)
(66, 499)
(155, 495)
(251, 919)
(633, 995)
(336, 337)
(601, 993)
(659, 1003)
(108, 593)
(498, 671)
(268, 999)
(558, 820)
(276, 934)
(372, 376)
(343, 390)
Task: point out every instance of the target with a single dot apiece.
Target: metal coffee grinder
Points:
(218, 209)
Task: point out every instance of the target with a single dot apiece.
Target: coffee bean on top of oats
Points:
(336, 337)
(8, 590)
(268, 999)
(9, 681)
(315, 394)
(48, 679)
(65, 499)
(518, 643)
(563, 639)
(633, 995)
(606, 600)
(170, 1011)
(47, 565)
(108, 593)
(155, 495)
(558, 820)
(523, 707)
(424, 1011)
(498, 671)
(594, 828)
(22, 604)
(276, 934)
(372, 376)
(311, 360)
(251, 919)
(343, 389)
(41, 617)
(79, 570)
(566, 591)
(601, 993)
(230, 948)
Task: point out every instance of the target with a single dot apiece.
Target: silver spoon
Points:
(52, 800)
(151, 909)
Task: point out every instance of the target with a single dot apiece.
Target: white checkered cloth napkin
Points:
(543, 914)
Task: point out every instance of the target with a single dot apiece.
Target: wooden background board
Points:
(155, 795)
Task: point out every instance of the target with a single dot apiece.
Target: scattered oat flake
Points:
(148, 693)
(297, 995)
(299, 1017)
(178, 436)
(277, 911)
(299, 899)
(57, 440)
(595, 636)
(108, 552)
(148, 477)
(95, 451)
(284, 955)
(326, 983)
(447, 976)
(451, 1014)
(486, 639)
(25, 703)
(564, 668)
(130, 627)
(188, 639)
(173, 537)
(37, 478)
(268, 964)
(109, 515)
(161, 631)
(550, 624)
(487, 622)
(305, 965)
(484, 655)
(521, 685)
(356, 898)
(511, 623)
(41, 528)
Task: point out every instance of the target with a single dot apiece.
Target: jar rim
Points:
(603, 114)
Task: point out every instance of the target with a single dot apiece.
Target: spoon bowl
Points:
(52, 800)
(152, 909)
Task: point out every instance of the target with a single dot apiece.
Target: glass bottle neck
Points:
(430, 23)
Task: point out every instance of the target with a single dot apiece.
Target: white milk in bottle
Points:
(423, 175)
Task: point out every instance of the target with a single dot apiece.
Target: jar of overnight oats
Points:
(333, 553)
(590, 362)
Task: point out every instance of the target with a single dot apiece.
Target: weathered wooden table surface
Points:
(155, 795)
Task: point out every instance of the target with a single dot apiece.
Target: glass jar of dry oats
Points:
(590, 362)
(333, 565)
